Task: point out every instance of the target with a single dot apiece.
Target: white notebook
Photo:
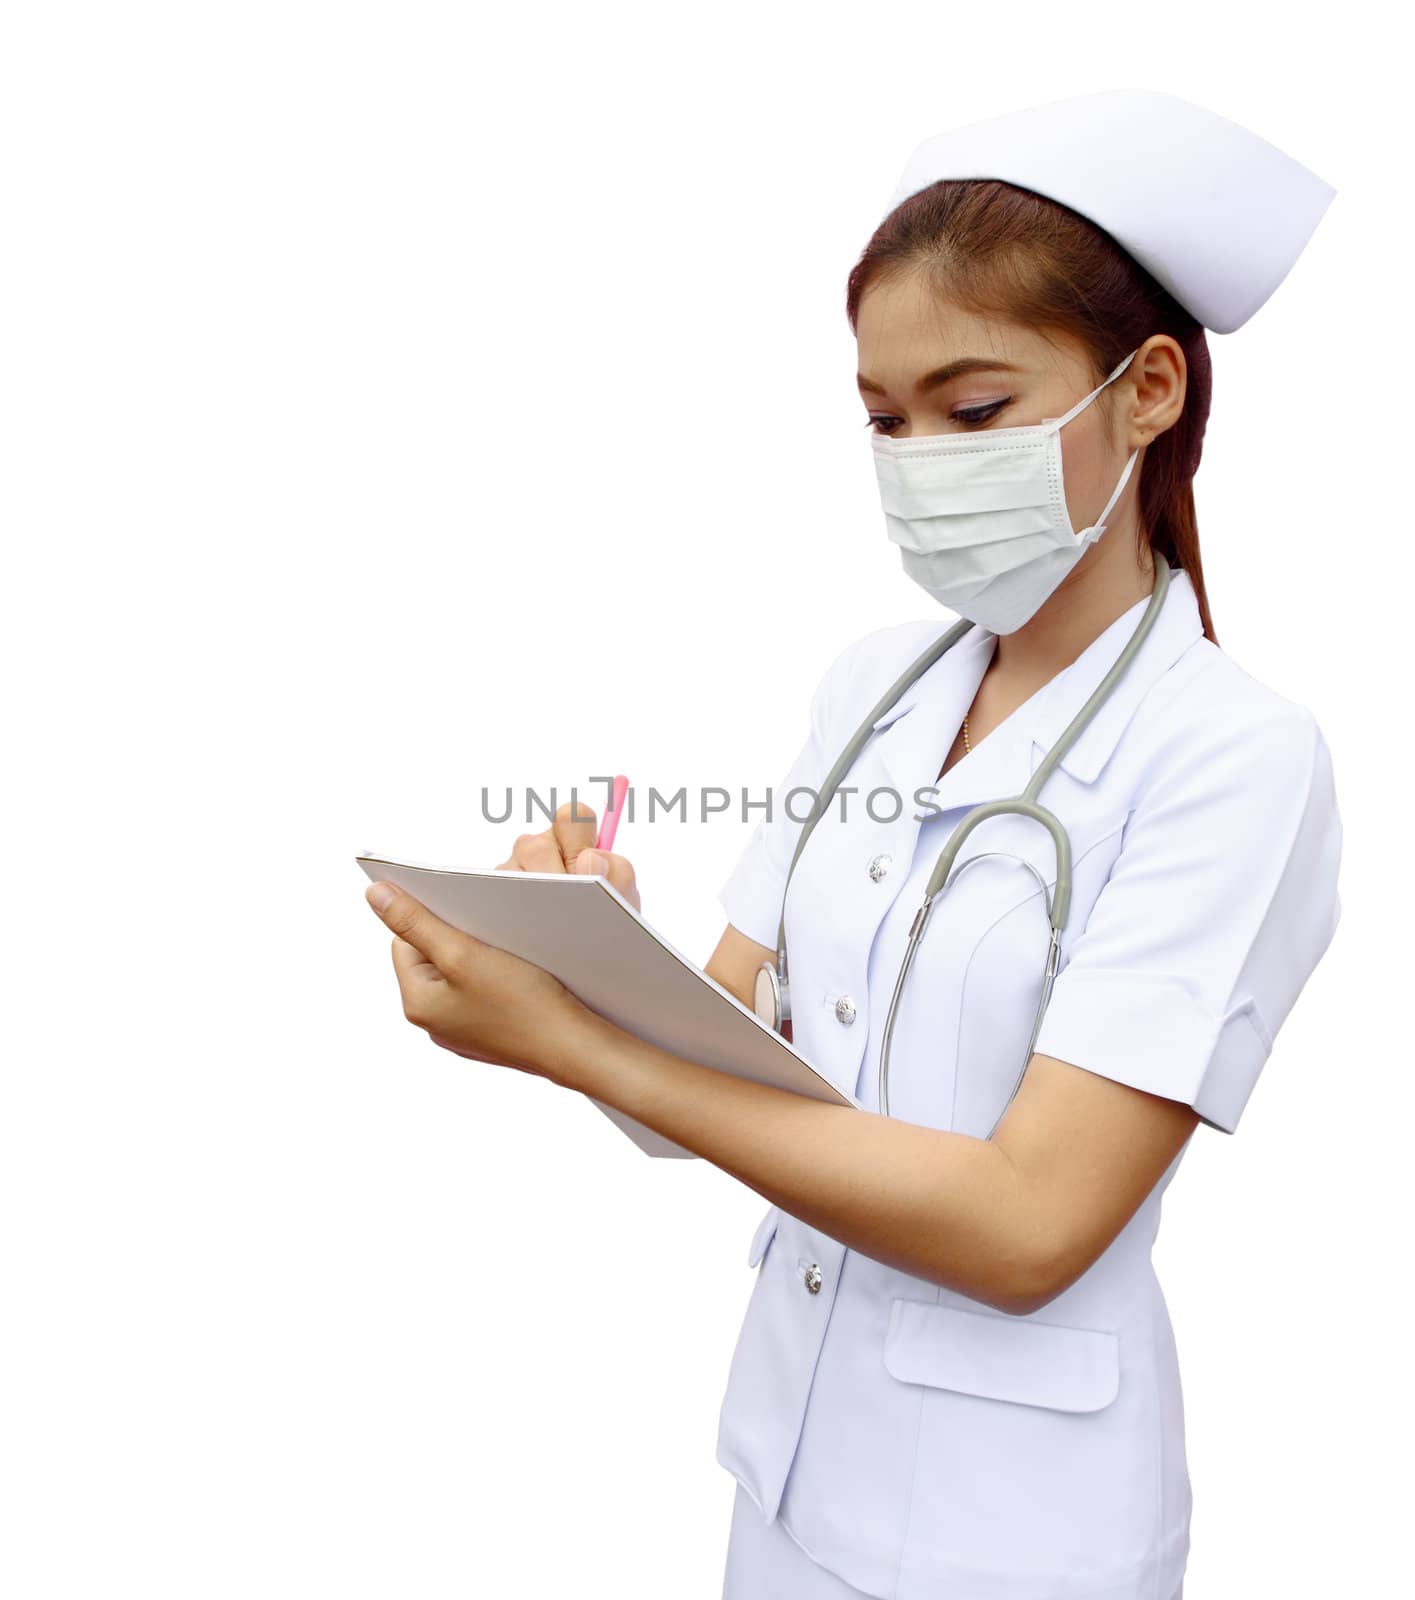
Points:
(580, 928)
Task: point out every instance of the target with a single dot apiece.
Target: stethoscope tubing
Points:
(943, 875)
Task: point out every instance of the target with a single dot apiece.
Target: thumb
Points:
(592, 861)
(411, 920)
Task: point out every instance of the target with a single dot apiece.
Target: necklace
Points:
(967, 744)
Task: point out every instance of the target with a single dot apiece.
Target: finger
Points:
(537, 852)
(410, 963)
(422, 988)
(435, 939)
(574, 829)
(618, 869)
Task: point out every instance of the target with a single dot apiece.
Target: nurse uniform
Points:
(891, 1437)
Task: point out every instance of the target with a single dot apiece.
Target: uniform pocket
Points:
(1001, 1357)
(763, 1236)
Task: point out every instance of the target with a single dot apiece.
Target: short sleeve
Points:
(1219, 906)
(753, 891)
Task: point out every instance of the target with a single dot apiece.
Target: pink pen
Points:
(609, 823)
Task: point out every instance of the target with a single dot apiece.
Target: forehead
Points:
(907, 326)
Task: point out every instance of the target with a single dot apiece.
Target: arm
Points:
(735, 963)
(1221, 904)
(1010, 1221)
(1222, 901)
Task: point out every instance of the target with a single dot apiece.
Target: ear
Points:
(1158, 381)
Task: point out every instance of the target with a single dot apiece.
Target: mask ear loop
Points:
(1085, 400)
(1097, 528)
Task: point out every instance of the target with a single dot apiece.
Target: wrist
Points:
(575, 1047)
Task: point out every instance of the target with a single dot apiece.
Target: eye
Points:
(971, 416)
(977, 414)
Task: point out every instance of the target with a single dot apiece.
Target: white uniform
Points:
(913, 1441)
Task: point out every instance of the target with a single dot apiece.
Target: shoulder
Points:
(1207, 714)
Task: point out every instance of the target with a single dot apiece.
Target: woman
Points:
(956, 1374)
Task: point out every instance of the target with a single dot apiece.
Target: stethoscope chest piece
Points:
(771, 996)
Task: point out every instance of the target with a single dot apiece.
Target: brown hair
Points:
(1003, 251)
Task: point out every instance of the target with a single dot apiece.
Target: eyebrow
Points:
(954, 369)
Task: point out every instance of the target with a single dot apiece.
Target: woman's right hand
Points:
(568, 846)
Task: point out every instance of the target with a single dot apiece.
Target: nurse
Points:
(956, 1374)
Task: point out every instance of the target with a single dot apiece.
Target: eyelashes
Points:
(970, 416)
(981, 413)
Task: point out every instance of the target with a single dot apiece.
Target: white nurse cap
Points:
(1212, 211)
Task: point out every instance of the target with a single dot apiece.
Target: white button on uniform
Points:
(813, 1278)
(845, 1010)
(879, 865)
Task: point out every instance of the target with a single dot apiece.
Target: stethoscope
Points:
(772, 994)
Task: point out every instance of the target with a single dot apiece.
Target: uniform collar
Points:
(914, 734)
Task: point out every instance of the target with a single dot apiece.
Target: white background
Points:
(400, 400)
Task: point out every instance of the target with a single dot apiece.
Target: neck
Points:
(1095, 594)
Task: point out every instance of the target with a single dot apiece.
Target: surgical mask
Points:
(981, 519)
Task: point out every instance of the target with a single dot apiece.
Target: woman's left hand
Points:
(474, 999)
